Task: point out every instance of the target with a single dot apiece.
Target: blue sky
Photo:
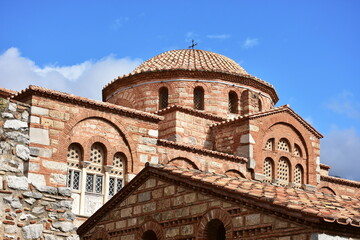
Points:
(309, 50)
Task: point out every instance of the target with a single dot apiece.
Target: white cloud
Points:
(250, 42)
(219, 36)
(85, 79)
(119, 22)
(346, 104)
(341, 150)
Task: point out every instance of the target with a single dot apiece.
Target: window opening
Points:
(298, 176)
(268, 170)
(199, 98)
(149, 235)
(215, 230)
(283, 172)
(94, 183)
(73, 179)
(283, 145)
(297, 151)
(163, 98)
(233, 102)
(269, 144)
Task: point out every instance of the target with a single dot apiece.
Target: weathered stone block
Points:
(19, 183)
(252, 219)
(15, 124)
(54, 165)
(33, 231)
(39, 111)
(40, 136)
(64, 226)
(22, 152)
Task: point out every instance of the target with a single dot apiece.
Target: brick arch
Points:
(188, 163)
(97, 139)
(285, 119)
(212, 214)
(172, 156)
(234, 173)
(100, 233)
(328, 190)
(153, 226)
(67, 140)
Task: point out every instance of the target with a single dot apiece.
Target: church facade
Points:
(222, 161)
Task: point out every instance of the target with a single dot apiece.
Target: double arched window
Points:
(199, 98)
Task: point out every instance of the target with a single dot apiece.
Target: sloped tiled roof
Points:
(67, 97)
(309, 207)
(284, 108)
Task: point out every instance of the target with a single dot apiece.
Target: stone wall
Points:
(27, 212)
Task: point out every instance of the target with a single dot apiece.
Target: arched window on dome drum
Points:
(233, 102)
(199, 98)
(74, 156)
(298, 176)
(268, 170)
(163, 98)
(283, 145)
(259, 105)
(149, 235)
(116, 178)
(283, 172)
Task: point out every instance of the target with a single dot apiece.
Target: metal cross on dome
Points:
(193, 44)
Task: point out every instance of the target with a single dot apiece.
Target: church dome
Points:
(191, 60)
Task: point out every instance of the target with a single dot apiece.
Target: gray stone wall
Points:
(27, 211)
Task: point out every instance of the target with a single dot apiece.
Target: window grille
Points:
(283, 145)
(283, 171)
(163, 97)
(268, 170)
(94, 183)
(298, 175)
(199, 98)
(233, 102)
(74, 152)
(118, 163)
(297, 151)
(115, 185)
(96, 154)
(269, 144)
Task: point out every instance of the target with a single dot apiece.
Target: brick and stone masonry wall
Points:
(27, 212)
(177, 212)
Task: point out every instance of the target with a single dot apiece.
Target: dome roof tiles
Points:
(190, 59)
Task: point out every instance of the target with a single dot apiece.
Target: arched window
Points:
(297, 151)
(215, 230)
(149, 235)
(233, 102)
(268, 170)
(74, 156)
(298, 175)
(283, 172)
(94, 178)
(116, 174)
(163, 98)
(199, 98)
(283, 145)
(269, 145)
(259, 106)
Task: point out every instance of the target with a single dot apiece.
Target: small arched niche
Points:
(149, 235)
(215, 230)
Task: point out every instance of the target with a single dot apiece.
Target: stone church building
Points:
(187, 146)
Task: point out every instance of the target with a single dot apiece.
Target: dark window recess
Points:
(163, 98)
(199, 98)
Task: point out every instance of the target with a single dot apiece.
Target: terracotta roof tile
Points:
(344, 209)
(66, 97)
(284, 108)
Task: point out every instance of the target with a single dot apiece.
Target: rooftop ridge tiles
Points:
(340, 180)
(83, 100)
